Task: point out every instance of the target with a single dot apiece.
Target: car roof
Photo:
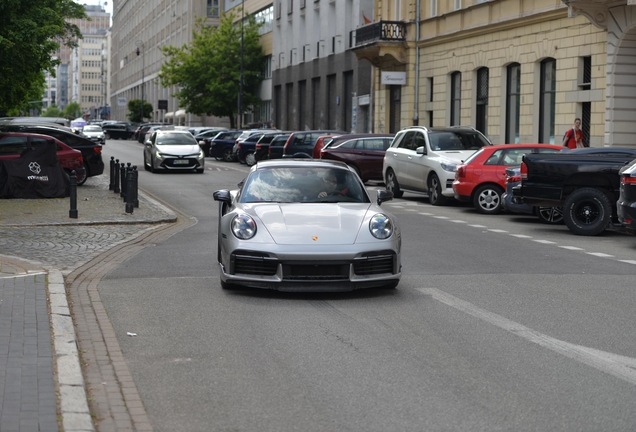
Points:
(530, 145)
(304, 162)
(593, 150)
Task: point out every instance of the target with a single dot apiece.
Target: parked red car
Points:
(364, 153)
(481, 179)
(12, 144)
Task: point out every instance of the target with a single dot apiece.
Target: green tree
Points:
(52, 111)
(72, 111)
(32, 106)
(208, 70)
(134, 110)
(30, 34)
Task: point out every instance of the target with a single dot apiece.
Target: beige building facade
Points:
(519, 71)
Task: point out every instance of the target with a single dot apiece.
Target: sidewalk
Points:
(40, 371)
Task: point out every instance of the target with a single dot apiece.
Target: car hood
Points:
(179, 150)
(455, 155)
(298, 224)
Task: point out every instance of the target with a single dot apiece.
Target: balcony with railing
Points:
(380, 42)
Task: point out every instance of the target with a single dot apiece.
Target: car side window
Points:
(547, 150)
(494, 158)
(348, 144)
(373, 144)
(406, 141)
(513, 156)
(418, 141)
(13, 145)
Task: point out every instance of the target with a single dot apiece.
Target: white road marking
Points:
(457, 221)
(497, 230)
(440, 217)
(523, 236)
(478, 226)
(544, 241)
(600, 254)
(426, 214)
(619, 366)
(572, 248)
(628, 261)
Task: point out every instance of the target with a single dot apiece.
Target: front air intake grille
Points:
(253, 264)
(315, 272)
(375, 264)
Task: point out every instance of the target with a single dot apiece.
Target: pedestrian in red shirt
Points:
(573, 138)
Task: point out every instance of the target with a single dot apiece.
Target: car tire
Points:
(392, 184)
(83, 180)
(487, 199)
(107, 136)
(550, 215)
(587, 211)
(151, 166)
(435, 196)
(250, 159)
(227, 155)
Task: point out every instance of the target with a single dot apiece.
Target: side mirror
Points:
(384, 195)
(420, 150)
(223, 195)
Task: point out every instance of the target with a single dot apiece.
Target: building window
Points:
(585, 73)
(456, 98)
(547, 101)
(482, 101)
(266, 17)
(433, 8)
(213, 8)
(458, 4)
(267, 67)
(513, 103)
(429, 89)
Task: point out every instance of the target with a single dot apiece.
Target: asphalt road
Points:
(499, 323)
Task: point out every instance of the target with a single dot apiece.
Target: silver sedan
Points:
(174, 150)
(306, 225)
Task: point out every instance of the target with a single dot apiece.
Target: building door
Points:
(482, 101)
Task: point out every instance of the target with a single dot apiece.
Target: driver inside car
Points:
(332, 187)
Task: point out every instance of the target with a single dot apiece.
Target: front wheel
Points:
(392, 184)
(487, 199)
(107, 136)
(227, 155)
(435, 196)
(587, 211)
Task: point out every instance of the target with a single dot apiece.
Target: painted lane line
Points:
(457, 221)
(544, 241)
(628, 261)
(497, 230)
(523, 236)
(600, 254)
(574, 248)
(426, 214)
(616, 365)
(478, 226)
(441, 217)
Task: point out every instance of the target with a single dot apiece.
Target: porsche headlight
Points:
(381, 226)
(243, 227)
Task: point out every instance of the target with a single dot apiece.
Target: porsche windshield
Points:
(303, 185)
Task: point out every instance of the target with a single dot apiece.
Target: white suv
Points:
(424, 160)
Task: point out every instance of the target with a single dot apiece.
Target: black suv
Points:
(91, 151)
(118, 130)
(301, 144)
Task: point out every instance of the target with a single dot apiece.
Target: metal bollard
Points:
(122, 173)
(129, 190)
(116, 189)
(135, 191)
(72, 213)
(111, 185)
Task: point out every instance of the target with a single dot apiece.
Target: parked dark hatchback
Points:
(91, 151)
(118, 130)
(365, 155)
(221, 145)
(262, 146)
(626, 204)
(275, 150)
(247, 148)
(301, 144)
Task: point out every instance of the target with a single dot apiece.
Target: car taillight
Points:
(258, 146)
(524, 171)
(460, 172)
(513, 179)
(238, 146)
(97, 149)
(628, 180)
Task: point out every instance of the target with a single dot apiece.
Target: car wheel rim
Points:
(587, 212)
(390, 183)
(434, 186)
(250, 159)
(489, 200)
(551, 214)
(227, 155)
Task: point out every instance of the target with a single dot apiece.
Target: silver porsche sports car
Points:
(306, 225)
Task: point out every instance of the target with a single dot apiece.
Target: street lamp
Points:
(140, 44)
(240, 104)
